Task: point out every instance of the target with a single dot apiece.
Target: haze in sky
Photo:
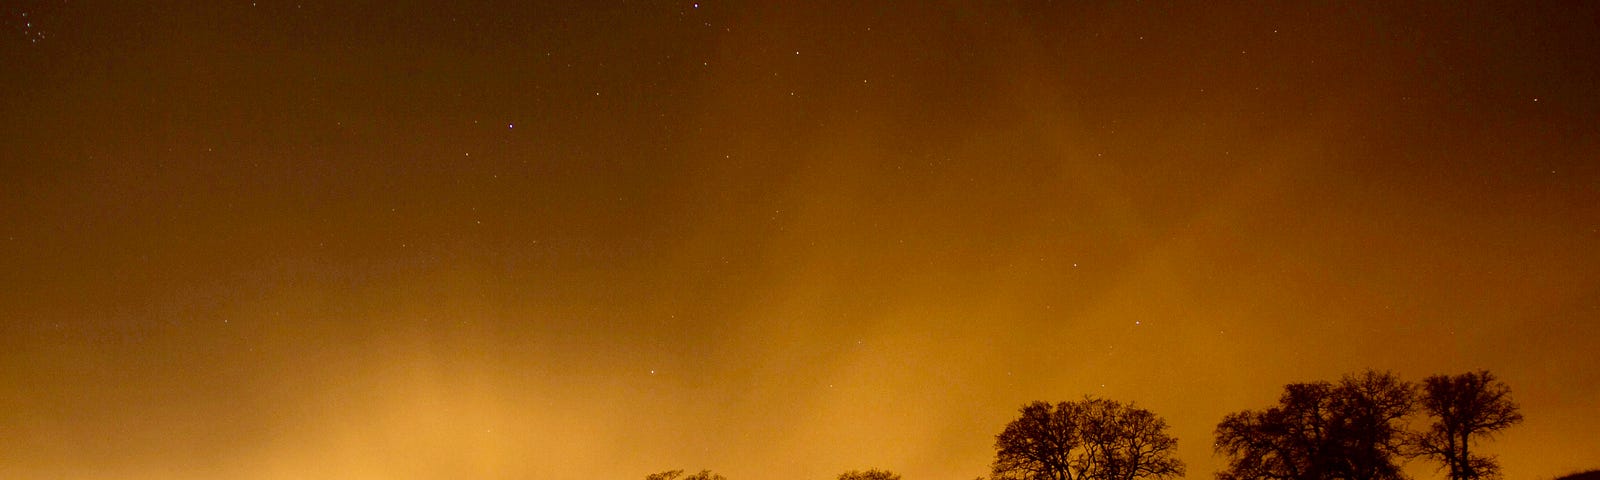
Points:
(599, 239)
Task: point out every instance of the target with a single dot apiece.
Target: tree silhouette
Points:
(873, 474)
(1464, 408)
(1373, 407)
(1280, 443)
(1040, 445)
(1092, 439)
(1321, 431)
(1131, 442)
(674, 474)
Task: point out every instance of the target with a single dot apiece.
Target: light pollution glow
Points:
(276, 241)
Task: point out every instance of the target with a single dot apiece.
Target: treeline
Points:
(707, 475)
(1357, 428)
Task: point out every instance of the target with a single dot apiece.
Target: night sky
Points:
(515, 240)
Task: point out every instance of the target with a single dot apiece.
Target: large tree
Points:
(1092, 439)
(1372, 409)
(1353, 430)
(1131, 442)
(1285, 442)
(1464, 408)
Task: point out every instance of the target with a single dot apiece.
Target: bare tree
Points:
(664, 476)
(675, 474)
(1042, 444)
(1092, 439)
(1371, 408)
(1353, 430)
(1131, 442)
(1464, 408)
(1285, 442)
(873, 474)
(667, 475)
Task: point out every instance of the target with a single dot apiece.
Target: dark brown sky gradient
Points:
(401, 240)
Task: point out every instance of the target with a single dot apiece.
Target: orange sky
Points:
(275, 240)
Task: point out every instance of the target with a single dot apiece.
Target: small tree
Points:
(1465, 408)
(873, 474)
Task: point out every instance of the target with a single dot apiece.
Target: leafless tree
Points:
(1353, 430)
(667, 475)
(675, 474)
(1131, 442)
(1464, 408)
(873, 474)
(1092, 439)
